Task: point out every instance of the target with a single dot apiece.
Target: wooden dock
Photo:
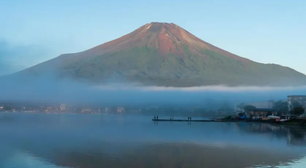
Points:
(271, 121)
(182, 120)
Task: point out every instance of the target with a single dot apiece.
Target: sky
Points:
(33, 31)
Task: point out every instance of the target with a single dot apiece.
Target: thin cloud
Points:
(17, 57)
(217, 88)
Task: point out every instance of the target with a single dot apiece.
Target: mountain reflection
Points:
(134, 141)
(176, 155)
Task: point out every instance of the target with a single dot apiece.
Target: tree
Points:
(295, 104)
(249, 108)
(298, 110)
(281, 106)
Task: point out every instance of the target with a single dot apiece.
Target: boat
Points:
(273, 117)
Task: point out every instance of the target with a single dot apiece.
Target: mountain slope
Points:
(166, 55)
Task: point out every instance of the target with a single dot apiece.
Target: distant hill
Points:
(165, 54)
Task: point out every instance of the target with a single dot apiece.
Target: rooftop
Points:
(297, 96)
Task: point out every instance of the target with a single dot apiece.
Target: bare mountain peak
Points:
(161, 23)
(159, 27)
(164, 37)
(166, 54)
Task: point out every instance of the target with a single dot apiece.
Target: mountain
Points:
(165, 54)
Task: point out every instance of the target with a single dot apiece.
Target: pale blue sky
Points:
(267, 31)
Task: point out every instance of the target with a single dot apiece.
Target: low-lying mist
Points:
(49, 89)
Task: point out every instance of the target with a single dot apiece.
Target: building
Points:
(63, 107)
(48, 109)
(263, 112)
(120, 109)
(296, 100)
(86, 110)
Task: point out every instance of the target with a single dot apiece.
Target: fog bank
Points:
(46, 89)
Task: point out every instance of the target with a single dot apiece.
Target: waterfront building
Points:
(296, 100)
(263, 112)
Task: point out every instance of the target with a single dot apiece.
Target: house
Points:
(289, 116)
(120, 109)
(48, 109)
(263, 112)
(86, 110)
(63, 107)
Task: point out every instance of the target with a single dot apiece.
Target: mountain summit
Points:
(165, 54)
(166, 38)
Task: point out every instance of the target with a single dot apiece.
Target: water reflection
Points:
(173, 156)
(92, 141)
(294, 135)
(21, 159)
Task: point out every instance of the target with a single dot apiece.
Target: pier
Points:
(226, 119)
(182, 120)
(296, 122)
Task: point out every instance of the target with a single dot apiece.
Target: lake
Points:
(134, 141)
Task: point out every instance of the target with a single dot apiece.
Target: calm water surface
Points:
(133, 141)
